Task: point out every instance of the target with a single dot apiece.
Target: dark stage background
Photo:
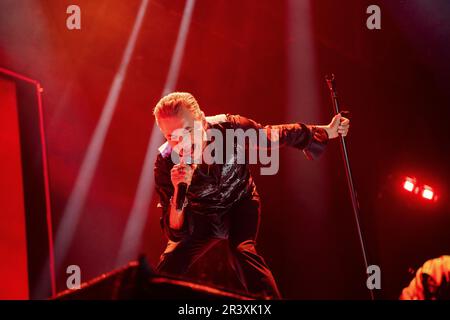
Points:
(265, 60)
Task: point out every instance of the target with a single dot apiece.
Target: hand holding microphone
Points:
(181, 177)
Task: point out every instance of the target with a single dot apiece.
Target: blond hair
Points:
(170, 105)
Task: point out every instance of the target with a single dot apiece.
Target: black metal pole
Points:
(331, 81)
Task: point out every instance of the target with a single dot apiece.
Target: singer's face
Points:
(183, 132)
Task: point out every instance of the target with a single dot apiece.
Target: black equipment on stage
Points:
(138, 281)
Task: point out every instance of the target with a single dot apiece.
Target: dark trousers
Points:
(241, 224)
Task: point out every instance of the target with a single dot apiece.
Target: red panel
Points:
(13, 249)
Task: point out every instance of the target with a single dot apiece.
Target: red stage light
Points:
(427, 193)
(409, 184)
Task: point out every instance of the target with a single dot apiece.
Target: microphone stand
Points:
(331, 81)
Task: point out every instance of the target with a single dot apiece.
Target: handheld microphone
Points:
(181, 195)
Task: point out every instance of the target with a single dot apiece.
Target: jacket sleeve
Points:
(311, 139)
(165, 190)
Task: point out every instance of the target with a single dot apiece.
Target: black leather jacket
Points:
(216, 188)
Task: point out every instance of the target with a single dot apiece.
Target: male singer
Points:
(221, 201)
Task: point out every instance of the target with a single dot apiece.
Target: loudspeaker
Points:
(138, 281)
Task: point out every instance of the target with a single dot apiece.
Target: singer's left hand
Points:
(339, 125)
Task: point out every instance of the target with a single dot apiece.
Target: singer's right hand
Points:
(181, 173)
